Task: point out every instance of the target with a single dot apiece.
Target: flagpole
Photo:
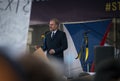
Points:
(114, 26)
(115, 37)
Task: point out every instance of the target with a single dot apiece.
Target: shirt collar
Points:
(54, 31)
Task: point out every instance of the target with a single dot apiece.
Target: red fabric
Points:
(105, 36)
(92, 67)
(102, 43)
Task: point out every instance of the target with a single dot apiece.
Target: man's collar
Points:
(54, 31)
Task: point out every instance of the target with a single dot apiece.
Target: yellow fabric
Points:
(86, 56)
(79, 55)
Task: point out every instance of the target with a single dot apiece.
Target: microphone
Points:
(88, 31)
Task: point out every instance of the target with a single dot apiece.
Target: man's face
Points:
(52, 26)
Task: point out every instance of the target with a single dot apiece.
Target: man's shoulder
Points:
(60, 31)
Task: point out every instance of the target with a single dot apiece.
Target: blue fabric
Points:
(95, 32)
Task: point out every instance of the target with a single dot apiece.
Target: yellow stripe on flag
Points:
(79, 55)
(86, 56)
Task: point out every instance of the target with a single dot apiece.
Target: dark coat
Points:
(58, 43)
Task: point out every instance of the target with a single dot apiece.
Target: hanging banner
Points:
(82, 38)
(14, 24)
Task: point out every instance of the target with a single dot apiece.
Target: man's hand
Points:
(52, 51)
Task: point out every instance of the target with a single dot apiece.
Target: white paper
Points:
(14, 24)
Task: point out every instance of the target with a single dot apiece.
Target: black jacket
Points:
(58, 43)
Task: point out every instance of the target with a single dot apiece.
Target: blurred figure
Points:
(109, 70)
(37, 69)
(9, 69)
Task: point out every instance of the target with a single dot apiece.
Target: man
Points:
(55, 41)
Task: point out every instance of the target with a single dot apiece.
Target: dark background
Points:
(72, 10)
